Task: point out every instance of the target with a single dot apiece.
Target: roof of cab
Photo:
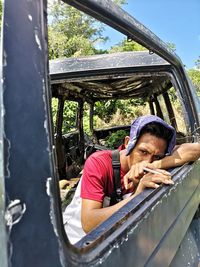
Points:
(68, 66)
(116, 75)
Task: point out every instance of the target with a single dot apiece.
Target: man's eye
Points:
(157, 157)
(144, 152)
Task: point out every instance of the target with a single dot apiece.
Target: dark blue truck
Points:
(159, 227)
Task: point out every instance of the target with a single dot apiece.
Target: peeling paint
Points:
(4, 58)
(51, 214)
(14, 212)
(48, 186)
(30, 17)
(45, 124)
(7, 146)
(37, 39)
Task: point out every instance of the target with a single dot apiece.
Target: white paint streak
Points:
(30, 17)
(38, 41)
(4, 59)
(48, 185)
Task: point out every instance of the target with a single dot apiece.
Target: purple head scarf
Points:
(137, 126)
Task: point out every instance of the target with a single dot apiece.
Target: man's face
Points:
(148, 148)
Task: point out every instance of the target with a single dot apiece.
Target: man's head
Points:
(155, 127)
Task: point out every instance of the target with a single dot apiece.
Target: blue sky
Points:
(174, 21)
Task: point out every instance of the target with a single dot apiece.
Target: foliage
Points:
(116, 139)
(197, 63)
(54, 108)
(130, 45)
(71, 32)
(105, 110)
(126, 45)
(172, 94)
(69, 115)
(194, 75)
(171, 46)
(120, 2)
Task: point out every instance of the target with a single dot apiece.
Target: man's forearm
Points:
(184, 153)
(90, 218)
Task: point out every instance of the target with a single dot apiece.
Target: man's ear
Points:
(126, 140)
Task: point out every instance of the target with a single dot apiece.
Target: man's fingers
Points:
(130, 185)
(130, 182)
(168, 181)
(161, 179)
(157, 179)
(163, 172)
(126, 181)
(153, 185)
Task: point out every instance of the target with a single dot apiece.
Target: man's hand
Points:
(151, 180)
(136, 172)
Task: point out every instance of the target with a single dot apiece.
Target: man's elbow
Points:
(196, 151)
(193, 151)
(87, 222)
(87, 227)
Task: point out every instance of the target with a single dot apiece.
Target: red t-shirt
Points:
(97, 178)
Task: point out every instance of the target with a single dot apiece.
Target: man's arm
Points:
(92, 212)
(184, 153)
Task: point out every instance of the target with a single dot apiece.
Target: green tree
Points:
(194, 75)
(71, 32)
(171, 46)
(197, 63)
(126, 45)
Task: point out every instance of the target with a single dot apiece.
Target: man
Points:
(151, 144)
